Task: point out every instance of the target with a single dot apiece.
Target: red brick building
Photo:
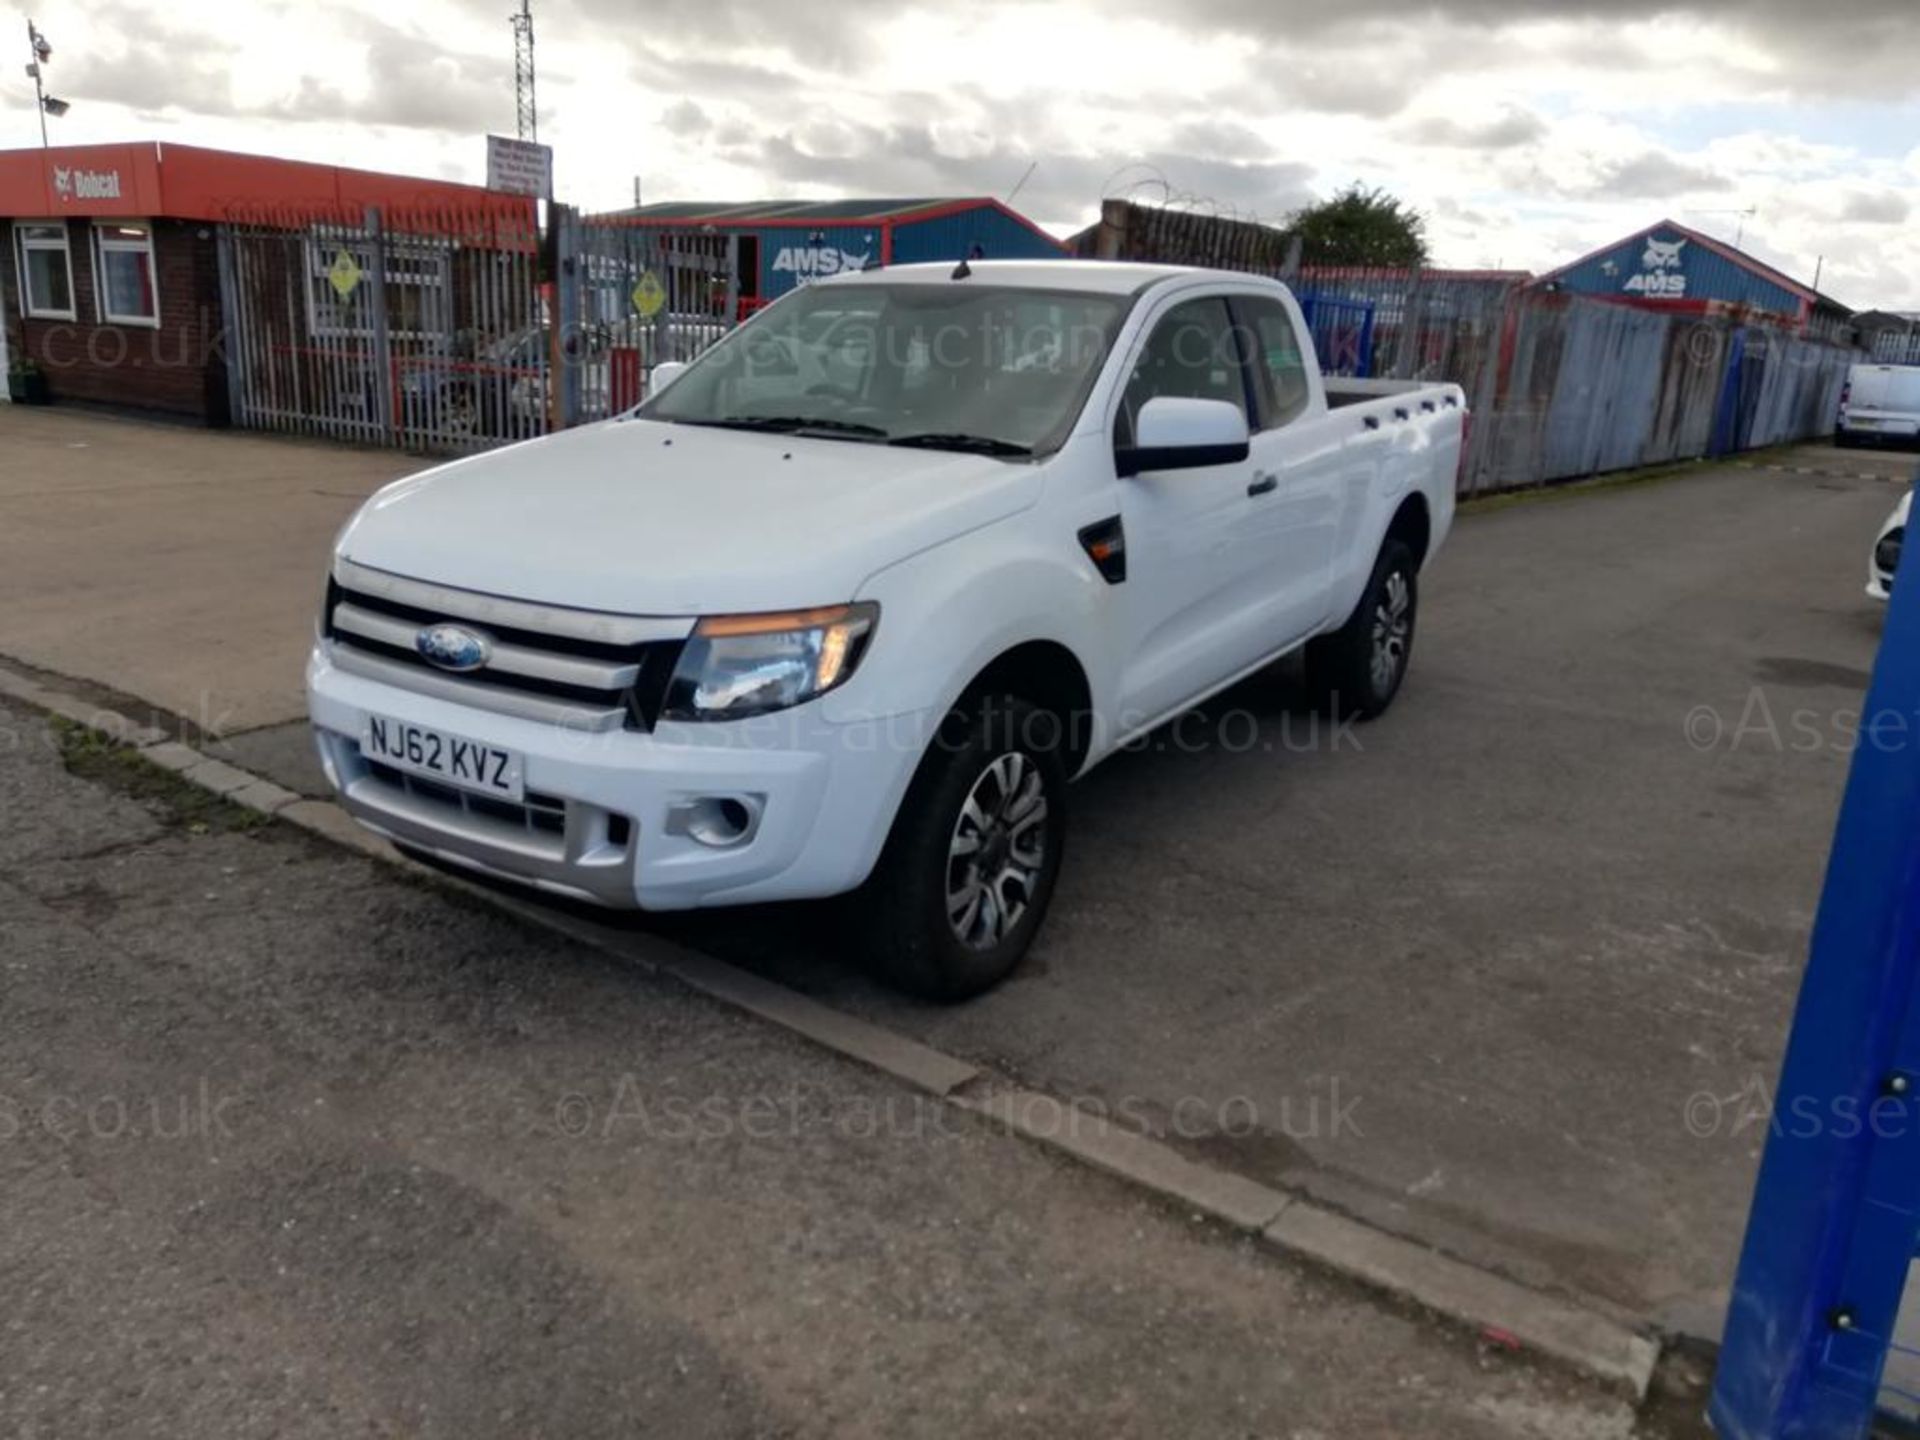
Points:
(112, 283)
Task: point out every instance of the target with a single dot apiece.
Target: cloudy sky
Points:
(1528, 132)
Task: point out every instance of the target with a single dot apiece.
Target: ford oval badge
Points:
(453, 647)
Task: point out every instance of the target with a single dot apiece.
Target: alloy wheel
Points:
(1392, 631)
(998, 851)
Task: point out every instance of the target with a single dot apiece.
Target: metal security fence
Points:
(1895, 347)
(443, 333)
(446, 333)
(1566, 385)
(633, 297)
(1577, 387)
(426, 337)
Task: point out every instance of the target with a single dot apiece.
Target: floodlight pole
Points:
(34, 42)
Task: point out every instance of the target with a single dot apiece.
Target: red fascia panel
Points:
(122, 181)
(1637, 302)
(185, 182)
(258, 189)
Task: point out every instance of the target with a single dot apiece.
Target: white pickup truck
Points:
(847, 602)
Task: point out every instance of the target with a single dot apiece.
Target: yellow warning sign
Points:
(344, 274)
(649, 295)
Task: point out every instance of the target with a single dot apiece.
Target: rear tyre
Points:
(1358, 669)
(969, 869)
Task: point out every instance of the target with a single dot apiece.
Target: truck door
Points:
(1299, 469)
(1194, 563)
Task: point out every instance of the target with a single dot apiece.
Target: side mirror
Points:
(665, 373)
(1173, 433)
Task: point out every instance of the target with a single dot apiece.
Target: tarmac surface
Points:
(1507, 972)
(294, 1144)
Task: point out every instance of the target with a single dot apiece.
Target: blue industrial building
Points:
(1669, 267)
(784, 243)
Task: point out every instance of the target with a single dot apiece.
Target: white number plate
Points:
(447, 758)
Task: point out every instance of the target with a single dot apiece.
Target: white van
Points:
(1881, 402)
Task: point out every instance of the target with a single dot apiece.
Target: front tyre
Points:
(1358, 669)
(970, 867)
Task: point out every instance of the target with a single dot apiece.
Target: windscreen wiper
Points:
(970, 444)
(796, 424)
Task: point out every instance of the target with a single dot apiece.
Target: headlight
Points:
(736, 666)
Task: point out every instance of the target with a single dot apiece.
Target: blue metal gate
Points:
(1813, 1322)
(1342, 332)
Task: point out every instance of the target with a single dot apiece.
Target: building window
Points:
(340, 282)
(128, 290)
(46, 271)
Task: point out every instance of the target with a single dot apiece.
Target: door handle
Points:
(1264, 485)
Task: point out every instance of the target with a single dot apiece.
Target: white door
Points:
(1310, 489)
(1194, 561)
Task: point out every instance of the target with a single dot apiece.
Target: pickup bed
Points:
(846, 604)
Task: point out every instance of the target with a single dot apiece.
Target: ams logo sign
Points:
(814, 262)
(1661, 273)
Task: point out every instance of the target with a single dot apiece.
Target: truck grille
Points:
(541, 814)
(583, 669)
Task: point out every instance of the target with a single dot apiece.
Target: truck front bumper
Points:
(615, 818)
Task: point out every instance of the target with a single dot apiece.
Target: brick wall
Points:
(177, 369)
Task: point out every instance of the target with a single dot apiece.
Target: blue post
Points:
(1836, 1210)
(1726, 416)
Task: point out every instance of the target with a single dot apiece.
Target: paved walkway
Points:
(176, 565)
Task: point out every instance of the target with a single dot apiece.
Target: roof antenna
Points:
(964, 270)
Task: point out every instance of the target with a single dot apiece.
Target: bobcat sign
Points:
(72, 183)
(1660, 274)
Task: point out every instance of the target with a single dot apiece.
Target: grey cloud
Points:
(413, 82)
(1862, 46)
(1448, 208)
(163, 67)
(841, 37)
(711, 79)
(1356, 57)
(1219, 140)
(909, 160)
(1376, 88)
(1653, 176)
(685, 118)
(1516, 127)
(1885, 208)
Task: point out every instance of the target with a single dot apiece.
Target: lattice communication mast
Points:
(523, 98)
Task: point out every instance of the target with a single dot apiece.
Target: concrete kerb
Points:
(1485, 1303)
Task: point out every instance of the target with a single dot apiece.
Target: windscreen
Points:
(959, 364)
